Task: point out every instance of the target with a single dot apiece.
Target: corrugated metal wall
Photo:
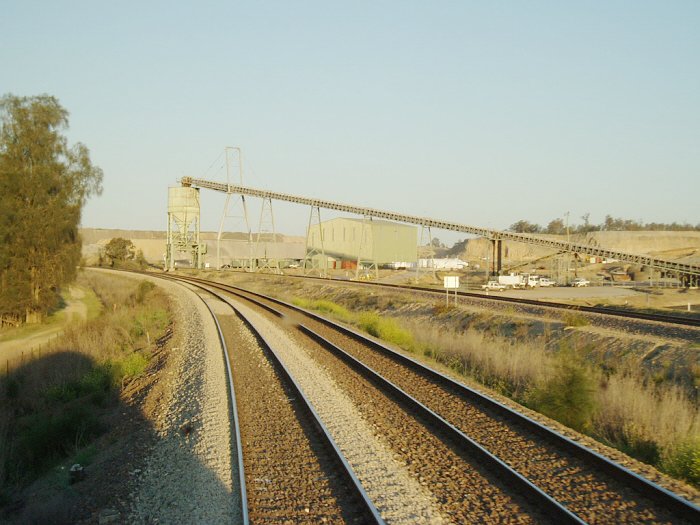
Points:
(377, 240)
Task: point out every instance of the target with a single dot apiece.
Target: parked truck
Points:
(512, 281)
(515, 280)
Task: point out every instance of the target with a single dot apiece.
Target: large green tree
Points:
(44, 184)
(119, 250)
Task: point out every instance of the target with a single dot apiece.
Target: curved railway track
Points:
(292, 470)
(454, 430)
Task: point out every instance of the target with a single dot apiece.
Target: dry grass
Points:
(498, 362)
(51, 404)
(646, 420)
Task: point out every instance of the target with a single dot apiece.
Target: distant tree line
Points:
(558, 227)
(44, 184)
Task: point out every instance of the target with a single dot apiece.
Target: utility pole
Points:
(568, 251)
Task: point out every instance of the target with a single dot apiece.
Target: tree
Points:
(525, 227)
(556, 227)
(44, 184)
(586, 227)
(119, 250)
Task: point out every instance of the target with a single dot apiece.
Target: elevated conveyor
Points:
(690, 273)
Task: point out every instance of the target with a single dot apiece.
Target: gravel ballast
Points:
(187, 477)
(396, 494)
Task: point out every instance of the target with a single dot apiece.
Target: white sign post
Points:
(451, 283)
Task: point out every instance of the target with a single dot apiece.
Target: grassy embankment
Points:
(654, 422)
(55, 403)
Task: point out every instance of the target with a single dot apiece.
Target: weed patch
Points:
(574, 319)
(323, 306)
(386, 329)
(383, 328)
(684, 461)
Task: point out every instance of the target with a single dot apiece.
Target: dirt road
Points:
(25, 339)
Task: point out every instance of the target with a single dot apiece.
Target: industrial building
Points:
(345, 242)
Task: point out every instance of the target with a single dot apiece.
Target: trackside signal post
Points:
(451, 282)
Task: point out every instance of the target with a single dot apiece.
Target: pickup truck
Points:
(493, 286)
(580, 281)
(545, 281)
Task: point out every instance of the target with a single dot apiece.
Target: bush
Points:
(142, 290)
(96, 383)
(131, 366)
(386, 329)
(575, 319)
(684, 461)
(45, 437)
(568, 396)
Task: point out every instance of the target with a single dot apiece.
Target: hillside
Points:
(675, 246)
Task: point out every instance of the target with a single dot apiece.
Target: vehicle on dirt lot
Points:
(580, 281)
(546, 281)
(516, 281)
(493, 286)
(512, 281)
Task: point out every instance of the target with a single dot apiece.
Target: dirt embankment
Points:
(676, 246)
(233, 245)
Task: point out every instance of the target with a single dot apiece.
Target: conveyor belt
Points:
(645, 260)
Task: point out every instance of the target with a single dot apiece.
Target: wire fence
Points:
(29, 355)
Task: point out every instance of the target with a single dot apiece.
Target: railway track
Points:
(629, 314)
(524, 471)
(292, 470)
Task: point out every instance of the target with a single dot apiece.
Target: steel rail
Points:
(482, 456)
(370, 511)
(674, 503)
(645, 260)
(245, 520)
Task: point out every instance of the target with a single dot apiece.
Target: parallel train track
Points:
(462, 431)
(617, 312)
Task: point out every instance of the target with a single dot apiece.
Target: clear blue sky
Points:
(478, 112)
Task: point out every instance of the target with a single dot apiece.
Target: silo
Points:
(183, 226)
